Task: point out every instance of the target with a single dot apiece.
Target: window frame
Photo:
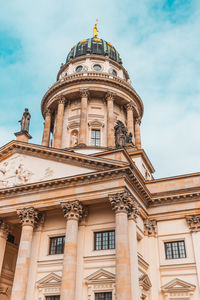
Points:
(104, 295)
(172, 249)
(50, 245)
(46, 297)
(102, 240)
(95, 139)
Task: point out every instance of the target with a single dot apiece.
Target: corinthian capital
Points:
(61, 99)
(29, 216)
(47, 112)
(138, 121)
(73, 210)
(84, 93)
(134, 210)
(130, 106)
(110, 96)
(4, 228)
(124, 202)
(150, 227)
(193, 222)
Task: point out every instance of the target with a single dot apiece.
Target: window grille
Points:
(104, 240)
(103, 296)
(175, 250)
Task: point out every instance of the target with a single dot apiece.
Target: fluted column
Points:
(59, 123)
(73, 212)
(137, 133)
(120, 205)
(130, 120)
(47, 128)
(193, 222)
(4, 228)
(132, 228)
(28, 218)
(110, 120)
(83, 118)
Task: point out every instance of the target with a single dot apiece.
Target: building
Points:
(81, 216)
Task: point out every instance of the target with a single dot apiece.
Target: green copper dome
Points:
(94, 46)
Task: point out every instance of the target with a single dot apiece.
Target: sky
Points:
(158, 41)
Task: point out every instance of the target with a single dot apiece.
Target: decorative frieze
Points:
(29, 216)
(150, 227)
(74, 210)
(193, 222)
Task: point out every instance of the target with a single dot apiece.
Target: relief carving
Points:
(193, 222)
(150, 227)
(124, 202)
(122, 137)
(74, 210)
(29, 216)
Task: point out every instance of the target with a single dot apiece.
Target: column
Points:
(83, 119)
(28, 218)
(130, 120)
(47, 128)
(4, 228)
(137, 133)
(110, 120)
(120, 205)
(73, 212)
(59, 123)
(150, 231)
(132, 228)
(193, 222)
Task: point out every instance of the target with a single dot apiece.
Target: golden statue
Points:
(95, 30)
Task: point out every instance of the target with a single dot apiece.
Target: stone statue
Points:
(74, 139)
(25, 121)
(121, 135)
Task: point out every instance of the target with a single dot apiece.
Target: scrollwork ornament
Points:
(29, 216)
(74, 210)
(193, 222)
(150, 227)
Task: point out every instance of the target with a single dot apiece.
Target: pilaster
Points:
(110, 120)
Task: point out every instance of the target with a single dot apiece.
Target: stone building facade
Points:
(81, 215)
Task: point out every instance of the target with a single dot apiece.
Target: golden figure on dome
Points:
(95, 30)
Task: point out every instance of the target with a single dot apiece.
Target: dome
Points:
(95, 46)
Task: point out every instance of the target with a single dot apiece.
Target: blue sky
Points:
(158, 41)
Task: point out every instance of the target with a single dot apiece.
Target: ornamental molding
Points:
(178, 287)
(96, 123)
(74, 210)
(150, 227)
(29, 216)
(80, 78)
(145, 282)
(193, 222)
(50, 280)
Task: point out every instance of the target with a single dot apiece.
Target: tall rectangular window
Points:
(175, 250)
(104, 240)
(95, 137)
(52, 298)
(103, 296)
(57, 245)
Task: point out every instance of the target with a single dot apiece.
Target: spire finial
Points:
(95, 30)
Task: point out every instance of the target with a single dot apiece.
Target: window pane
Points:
(103, 296)
(57, 245)
(52, 297)
(104, 240)
(174, 250)
(95, 137)
(111, 240)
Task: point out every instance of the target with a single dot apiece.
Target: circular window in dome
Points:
(97, 67)
(114, 72)
(79, 69)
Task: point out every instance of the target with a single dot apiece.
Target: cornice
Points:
(178, 196)
(91, 77)
(58, 155)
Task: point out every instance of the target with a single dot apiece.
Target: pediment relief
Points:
(51, 279)
(21, 169)
(145, 282)
(96, 123)
(100, 276)
(177, 285)
(73, 125)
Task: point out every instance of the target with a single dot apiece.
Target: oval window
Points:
(79, 69)
(97, 67)
(114, 72)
